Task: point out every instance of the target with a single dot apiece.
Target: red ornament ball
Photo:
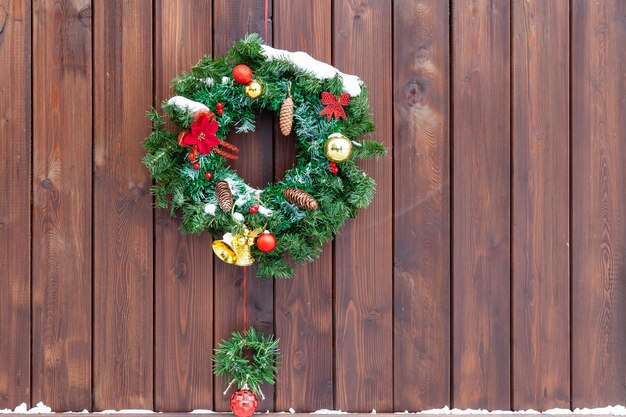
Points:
(266, 242)
(243, 402)
(254, 208)
(332, 164)
(220, 111)
(334, 170)
(196, 166)
(242, 74)
(219, 105)
(208, 175)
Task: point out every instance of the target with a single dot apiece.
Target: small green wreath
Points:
(328, 111)
(247, 360)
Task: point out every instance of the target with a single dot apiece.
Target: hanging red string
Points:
(265, 21)
(245, 309)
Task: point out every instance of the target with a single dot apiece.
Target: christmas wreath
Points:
(327, 110)
(247, 359)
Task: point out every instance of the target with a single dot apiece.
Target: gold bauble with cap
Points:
(338, 148)
(254, 89)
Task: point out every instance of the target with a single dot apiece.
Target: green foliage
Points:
(300, 233)
(247, 360)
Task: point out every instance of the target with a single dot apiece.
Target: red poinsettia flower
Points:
(202, 134)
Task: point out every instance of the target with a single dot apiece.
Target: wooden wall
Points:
(489, 272)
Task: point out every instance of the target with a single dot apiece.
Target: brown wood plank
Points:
(362, 45)
(422, 205)
(481, 205)
(183, 263)
(62, 107)
(15, 186)
(232, 19)
(123, 251)
(541, 374)
(598, 203)
(304, 304)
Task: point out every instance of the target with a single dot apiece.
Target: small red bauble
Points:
(243, 403)
(332, 164)
(242, 74)
(196, 166)
(219, 105)
(266, 242)
(208, 175)
(334, 170)
(254, 208)
(220, 111)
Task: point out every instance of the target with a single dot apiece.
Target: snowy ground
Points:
(618, 410)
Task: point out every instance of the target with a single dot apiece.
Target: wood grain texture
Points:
(62, 150)
(598, 203)
(15, 185)
(183, 272)
(123, 250)
(481, 204)
(232, 19)
(304, 304)
(363, 251)
(541, 360)
(422, 205)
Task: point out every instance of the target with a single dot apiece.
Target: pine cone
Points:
(286, 116)
(300, 198)
(224, 195)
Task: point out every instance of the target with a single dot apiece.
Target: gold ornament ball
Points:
(254, 89)
(338, 148)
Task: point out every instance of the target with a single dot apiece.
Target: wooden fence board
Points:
(62, 150)
(304, 304)
(598, 203)
(481, 205)
(363, 251)
(123, 250)
(15, 184)
(422, 205)
(183, 272)
(231, 21)
(541, 378)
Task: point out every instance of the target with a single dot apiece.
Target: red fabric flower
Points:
(202, 133)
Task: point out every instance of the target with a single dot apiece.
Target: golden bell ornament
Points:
(338, 148)
(254, 89)
(234, 248)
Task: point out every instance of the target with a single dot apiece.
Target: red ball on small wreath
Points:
(254, 208)
(242, 74)
(243, 402)
(196, 166)
(266, 242)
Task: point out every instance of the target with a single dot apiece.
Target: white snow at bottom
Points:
(616, 410)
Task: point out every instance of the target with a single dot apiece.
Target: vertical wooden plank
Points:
(62, 80)
(598, 203)
(123, 281)
(232, 19)
(15, 186)
(183, 264)
(362, 45)
(304, 304)
(481, 204)
(422, 205)
(541, 375)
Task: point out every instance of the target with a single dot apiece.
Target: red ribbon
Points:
(334, 105)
